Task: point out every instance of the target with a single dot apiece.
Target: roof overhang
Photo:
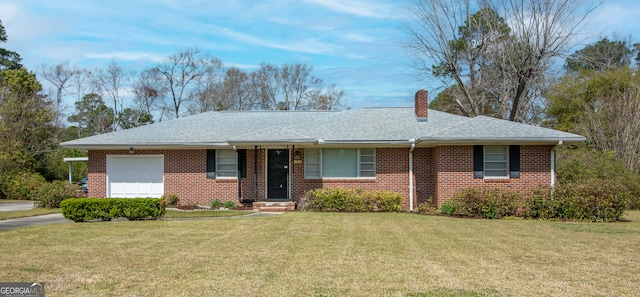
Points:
(76, 159)
(172, 145)
(431, 142)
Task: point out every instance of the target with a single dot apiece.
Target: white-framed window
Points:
(367, 162)
(496, 161)
(312, 163)
(226, 163)
(339, 163)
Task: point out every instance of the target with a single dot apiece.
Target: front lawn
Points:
(173, 214)
(328, 254)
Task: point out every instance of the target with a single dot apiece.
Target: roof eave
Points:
(154, 145)
(436, 141)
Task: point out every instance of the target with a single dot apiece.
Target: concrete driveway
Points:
(13, 206)
(28, 221)
(33, 221)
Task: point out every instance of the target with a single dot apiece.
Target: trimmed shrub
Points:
(215, 204)
(594, 200)
(351, 200)
(50, 195)
(88, 209)
(387, 200)
(338, 199)
(485, 203)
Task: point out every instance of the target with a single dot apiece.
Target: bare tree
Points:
(111, 81)
(496, 57)
(236, 93)
(326, 99)
(149, 89)
(60, 76)
(232, 93)
(285, 87)
(182, 72)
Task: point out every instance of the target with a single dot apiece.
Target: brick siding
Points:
(439, 172)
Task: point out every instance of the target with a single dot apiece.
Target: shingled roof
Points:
(384, 126)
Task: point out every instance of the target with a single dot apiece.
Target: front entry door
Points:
(277, 174)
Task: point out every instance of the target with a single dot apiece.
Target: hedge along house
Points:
(274, 157)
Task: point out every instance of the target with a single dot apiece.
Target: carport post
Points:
(71, 160)
(70, 172)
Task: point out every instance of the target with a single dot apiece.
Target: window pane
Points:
(226, 163)
(367, 159)
(367, 174)
(495, 149)
(366, 167)
(367, 163)
(496, 161)
(312, 163)
(495, 173)
(339, 162)
(496, 157)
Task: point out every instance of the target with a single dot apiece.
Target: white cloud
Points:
(360, 8)
(309, 45)
(131, 56)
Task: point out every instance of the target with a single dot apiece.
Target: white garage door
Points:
(135, 176)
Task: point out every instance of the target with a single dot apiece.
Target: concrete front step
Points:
(274, 206)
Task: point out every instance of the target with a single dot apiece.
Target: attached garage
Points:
(135, 176)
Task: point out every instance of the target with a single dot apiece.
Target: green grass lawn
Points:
(328, 254)
(173, 214)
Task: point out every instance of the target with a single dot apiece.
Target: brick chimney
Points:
(422, 105)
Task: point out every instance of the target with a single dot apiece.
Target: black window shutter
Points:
(478, 161)
(242, 162)
(211, 163)
(514, 161)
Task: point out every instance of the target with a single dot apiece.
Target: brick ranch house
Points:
(274, 157)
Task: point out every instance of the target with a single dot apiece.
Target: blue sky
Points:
(355, 44)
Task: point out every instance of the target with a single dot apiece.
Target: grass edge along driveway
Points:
(328, 254)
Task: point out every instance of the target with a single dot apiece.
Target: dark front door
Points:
(278, 174)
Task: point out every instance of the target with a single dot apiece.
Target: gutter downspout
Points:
(255, 173)
(413, 146)
(239, 176)
(553, 164)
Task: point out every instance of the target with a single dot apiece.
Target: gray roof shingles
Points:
(366, 125)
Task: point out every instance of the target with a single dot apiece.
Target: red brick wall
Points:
(439, 173)
(424, 172)
(454, 170)
(184, 175)
(392, 166)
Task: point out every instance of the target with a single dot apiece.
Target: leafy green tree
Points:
(92, 115)
(8, 59)
(26, 128)
(603, 106)
(130, 118)
(603, 55)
